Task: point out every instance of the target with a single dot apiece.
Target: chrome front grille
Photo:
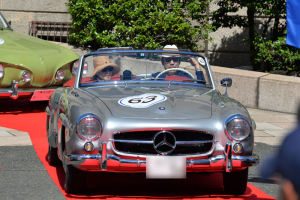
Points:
(142, 142)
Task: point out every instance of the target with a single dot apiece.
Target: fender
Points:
(63, 127)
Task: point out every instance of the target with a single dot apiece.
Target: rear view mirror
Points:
(226, 82)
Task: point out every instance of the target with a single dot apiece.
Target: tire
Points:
(235, 182)
(52, 156)
(75, 180)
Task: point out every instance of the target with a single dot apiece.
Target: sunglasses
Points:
(107, 69)
(175, 59)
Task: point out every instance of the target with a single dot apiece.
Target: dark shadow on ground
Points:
(8, 106)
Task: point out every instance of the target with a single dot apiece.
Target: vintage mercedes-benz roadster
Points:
(156, 112)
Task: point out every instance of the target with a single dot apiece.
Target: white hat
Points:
(170, 48)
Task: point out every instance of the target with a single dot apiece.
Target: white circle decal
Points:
(1, 41)
(201, 61)
(142, 101)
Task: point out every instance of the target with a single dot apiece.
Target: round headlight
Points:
(26, 76)
(76, 65)
(60, 75)
(238, 128)
(89, 127)
(1, 71)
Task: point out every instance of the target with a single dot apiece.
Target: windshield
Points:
(3, 23)
(144, 68)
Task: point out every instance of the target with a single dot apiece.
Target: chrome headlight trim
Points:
(60, 75)
(237, 127)
(1, 71)
(75, 67)
(26, 76)
(88, 127)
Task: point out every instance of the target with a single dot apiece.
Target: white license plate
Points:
(165, 167)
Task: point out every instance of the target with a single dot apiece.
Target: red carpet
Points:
(122, 186)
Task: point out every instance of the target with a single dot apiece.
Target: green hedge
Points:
(146, 24)
(276, 56)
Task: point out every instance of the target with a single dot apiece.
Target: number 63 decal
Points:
(142, 101)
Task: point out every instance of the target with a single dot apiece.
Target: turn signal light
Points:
(238, 148)
(88, 147)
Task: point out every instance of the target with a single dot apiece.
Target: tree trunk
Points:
(250, 15)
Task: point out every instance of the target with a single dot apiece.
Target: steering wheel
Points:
(177, 69)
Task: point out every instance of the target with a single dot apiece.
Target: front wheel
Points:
(75, 180)
(235, 182)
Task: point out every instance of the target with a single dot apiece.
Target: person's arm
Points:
(197, 66)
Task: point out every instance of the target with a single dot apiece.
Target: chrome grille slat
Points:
(177, 142)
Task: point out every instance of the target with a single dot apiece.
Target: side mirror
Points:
(226, 82)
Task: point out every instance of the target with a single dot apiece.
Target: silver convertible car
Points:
(156, 112)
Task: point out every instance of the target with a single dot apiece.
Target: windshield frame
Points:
(4, 22)
(116, 83)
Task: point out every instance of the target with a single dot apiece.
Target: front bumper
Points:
(35, 94)
(114, 163)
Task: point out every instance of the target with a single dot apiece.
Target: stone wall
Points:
(22, 12)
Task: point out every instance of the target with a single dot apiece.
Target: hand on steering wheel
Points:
(177, 69)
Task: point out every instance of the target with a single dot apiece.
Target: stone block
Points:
(279, 93)
(244, 84)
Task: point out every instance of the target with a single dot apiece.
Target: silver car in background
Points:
(146, 118)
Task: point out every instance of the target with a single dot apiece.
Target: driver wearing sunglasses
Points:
(173, 61)
(104, 69)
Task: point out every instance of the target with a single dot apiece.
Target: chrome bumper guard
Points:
(13, 92)
(78, 159)
(248, 160)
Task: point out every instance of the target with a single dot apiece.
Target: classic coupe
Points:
(156, 112)
(30, 67)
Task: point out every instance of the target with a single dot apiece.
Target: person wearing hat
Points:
(284, 165)
(104, 69)
(170, 60)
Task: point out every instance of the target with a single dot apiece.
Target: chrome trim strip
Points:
(210, 74)
(133, 141)
(126, 161)
(19, 91)
(248, 160)
(151, 142)
(196, 142)
(80, 157)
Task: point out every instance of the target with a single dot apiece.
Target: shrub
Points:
(276, 55)
(145, 24)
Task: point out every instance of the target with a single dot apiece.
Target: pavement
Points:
(271, 128)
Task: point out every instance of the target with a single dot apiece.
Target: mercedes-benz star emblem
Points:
(164, 142)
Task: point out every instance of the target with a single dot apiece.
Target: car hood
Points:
(159, 103)
(32, 53)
